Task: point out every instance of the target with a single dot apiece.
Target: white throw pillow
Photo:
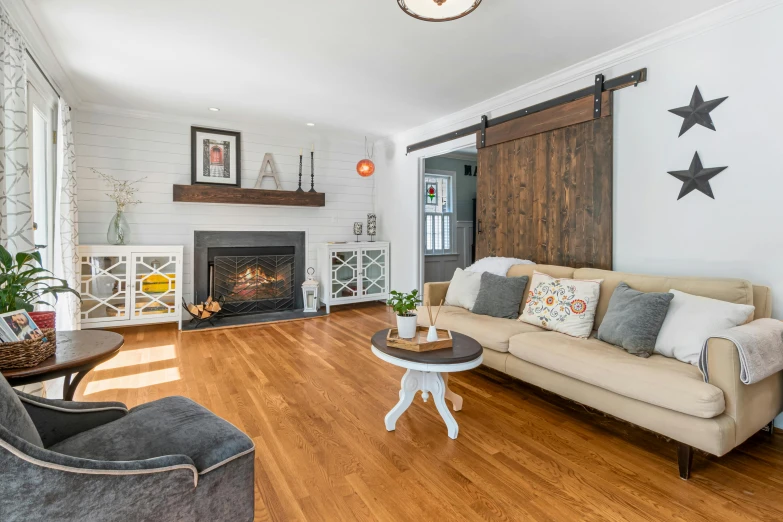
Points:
(692, 319)
(463, 289)
(563, 305)
(497, 265)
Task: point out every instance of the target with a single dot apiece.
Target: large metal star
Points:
(696, 177)
(697, 112)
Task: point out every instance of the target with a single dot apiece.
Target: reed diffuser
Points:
(432, 333)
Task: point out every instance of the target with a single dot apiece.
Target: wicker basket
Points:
(26, 354)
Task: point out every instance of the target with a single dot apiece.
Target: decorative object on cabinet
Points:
(366, 167)
(404, 306)
(310, 294)
(312, 170)
(696, 177)
(353, 272)
(215, 157)
(130, 285)
(698, 111)
(123, 193)
(372, 226)
(263, 173)
(300, 172)
(357, 230)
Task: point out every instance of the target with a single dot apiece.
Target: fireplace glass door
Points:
(253, 284)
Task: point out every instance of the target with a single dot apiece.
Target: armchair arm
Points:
(58, 420)
(434, 293)
(38, 484)
(750, 405)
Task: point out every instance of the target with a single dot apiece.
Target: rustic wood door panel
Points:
(548, 197)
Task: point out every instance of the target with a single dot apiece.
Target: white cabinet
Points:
(130, 285)
(353, 272)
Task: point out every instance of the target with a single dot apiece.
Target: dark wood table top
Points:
(464, 349)
(75, 351)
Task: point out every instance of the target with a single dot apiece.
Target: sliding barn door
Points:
(548, 197)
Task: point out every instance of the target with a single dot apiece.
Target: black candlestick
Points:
(300, 174)
(312, 172)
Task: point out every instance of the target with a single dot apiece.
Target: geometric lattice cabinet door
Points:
(103, 287)
(154, 285)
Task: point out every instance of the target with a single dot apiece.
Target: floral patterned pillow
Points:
(562, 305)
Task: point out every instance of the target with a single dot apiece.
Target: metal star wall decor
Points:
(696, 177)
(697, 112)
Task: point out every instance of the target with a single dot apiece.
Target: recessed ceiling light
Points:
(311, 124)
(214, 109)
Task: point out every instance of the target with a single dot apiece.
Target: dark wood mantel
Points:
(240, 196)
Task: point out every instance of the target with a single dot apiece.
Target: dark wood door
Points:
(548, 197)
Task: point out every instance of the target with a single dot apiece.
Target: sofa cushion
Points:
(657, 380)
(499, 296)
(737, 291)
(170, 426)
(463, 289)
(562, 305)
(490, 332)
(527, 270)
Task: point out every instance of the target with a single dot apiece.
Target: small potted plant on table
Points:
(403, 305)
(23, 284)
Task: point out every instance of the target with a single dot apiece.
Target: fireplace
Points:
(254, 272)
(253, 284)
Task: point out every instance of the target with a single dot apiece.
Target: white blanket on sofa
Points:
(760, 347)
(496, 265)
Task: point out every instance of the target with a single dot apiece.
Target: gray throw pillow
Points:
(500, 296)
(634, 319)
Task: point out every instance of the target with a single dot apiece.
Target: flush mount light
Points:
(311, 124)
(214, 109)
(438, 10)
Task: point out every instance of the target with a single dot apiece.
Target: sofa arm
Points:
(58, 420)
(38, 484)
(752, 406)
(434, 293)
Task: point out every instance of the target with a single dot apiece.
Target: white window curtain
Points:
(16, 213)
(66, 223)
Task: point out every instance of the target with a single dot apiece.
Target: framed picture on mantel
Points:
(215, 157)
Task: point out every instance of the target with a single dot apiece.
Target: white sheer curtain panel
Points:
(66, 222)
(16, 212)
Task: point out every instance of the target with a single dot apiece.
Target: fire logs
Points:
(204, 310)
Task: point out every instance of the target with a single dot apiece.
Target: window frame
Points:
(450, 234)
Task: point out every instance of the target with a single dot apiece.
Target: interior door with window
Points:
(439, 221)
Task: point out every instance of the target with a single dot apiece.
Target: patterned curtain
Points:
(16, 213)
(66, 223)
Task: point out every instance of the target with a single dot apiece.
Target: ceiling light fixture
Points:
(438, 10)
(311, 124)
(214, 109)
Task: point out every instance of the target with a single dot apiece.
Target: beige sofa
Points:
(661, 394)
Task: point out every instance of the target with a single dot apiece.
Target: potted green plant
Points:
(24, 283)
(404, 305)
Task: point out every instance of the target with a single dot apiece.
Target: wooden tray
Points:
(419, 343)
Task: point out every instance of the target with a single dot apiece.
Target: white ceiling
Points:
(359, 64)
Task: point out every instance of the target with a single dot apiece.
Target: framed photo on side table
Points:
(215, 157)
(18, 326)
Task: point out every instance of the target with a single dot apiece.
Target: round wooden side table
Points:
(77, 353)
(428, 372)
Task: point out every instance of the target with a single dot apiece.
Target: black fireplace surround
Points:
(256, 272)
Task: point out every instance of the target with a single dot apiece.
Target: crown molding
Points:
(500, 104)
(38, 46)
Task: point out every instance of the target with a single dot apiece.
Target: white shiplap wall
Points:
(130, 147)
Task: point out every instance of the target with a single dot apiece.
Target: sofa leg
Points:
(771, 428)
(684, 460)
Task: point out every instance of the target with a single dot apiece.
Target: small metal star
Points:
(697, 112)
(696, 177)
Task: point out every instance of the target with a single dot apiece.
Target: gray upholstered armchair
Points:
(167, 460)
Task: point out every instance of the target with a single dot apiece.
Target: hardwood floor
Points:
(313, 397)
